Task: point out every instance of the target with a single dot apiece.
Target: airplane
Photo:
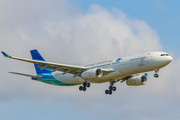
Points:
(116, 70)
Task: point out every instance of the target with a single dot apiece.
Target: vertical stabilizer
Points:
(36, 56)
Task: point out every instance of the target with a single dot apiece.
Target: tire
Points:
(80, 88)
(88, 85)
(84, 88)
(110, 92)
(156, 75)
(106, 91)
(84, 84)
(110, 88)
(114, 89)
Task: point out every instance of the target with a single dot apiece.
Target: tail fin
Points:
(36, 56)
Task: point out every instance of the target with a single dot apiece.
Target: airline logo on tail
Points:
(36, 56)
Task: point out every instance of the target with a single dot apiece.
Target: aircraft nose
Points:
(169, 59)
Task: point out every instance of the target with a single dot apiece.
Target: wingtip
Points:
(5, 54)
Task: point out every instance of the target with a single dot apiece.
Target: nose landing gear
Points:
(156, 75)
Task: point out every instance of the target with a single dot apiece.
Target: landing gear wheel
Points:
(106, 91)
(84, 84)
(84, 88)
(156, 75)
(88, 85)
(110, 92)
(80, 88)
(114, 89)
(110, 88)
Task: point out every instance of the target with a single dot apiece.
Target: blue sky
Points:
(162, 15)
(81, 32)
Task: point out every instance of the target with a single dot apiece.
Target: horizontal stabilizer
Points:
(33, 76)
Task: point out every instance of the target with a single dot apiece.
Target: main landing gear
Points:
(85, 85)
(156, 75)
(111, 88)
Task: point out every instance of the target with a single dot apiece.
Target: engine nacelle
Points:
(137, 80)
(92, 73)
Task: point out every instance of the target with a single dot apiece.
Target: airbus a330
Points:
(112, 71)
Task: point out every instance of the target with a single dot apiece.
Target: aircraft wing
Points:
(72, 69)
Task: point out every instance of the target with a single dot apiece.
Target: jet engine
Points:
(92, 73)
(137, 80)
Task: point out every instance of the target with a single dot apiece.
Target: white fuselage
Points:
(123, 67)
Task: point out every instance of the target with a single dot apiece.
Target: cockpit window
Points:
(164, 55)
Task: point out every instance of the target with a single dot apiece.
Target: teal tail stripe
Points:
(6, 55)
(48, 78)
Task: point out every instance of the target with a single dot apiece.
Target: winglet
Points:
(6, 55)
